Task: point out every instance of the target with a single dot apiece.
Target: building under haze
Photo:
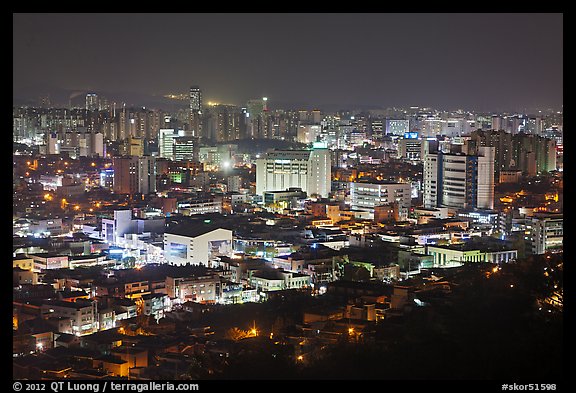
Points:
(91, 102)
(195, 99)
(186, 148)
(196, 111)
(309, 170)
(459, 181)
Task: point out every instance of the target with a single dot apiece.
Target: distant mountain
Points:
(64, 97)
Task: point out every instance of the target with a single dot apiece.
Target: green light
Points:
(207, 221)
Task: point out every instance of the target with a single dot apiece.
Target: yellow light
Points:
(300, 358)
(254, 332)
(350, 330)
(495, 269)
(76, 207)
(93, 164)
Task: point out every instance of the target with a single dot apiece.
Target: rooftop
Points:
(193, 230)
(111, 359)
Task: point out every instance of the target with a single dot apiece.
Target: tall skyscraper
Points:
(459, 181)
(500, 140)
(309, 170)
(195, 99)
(255, 115)
(196, 111)
(533, 154)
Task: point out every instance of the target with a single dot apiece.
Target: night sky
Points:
(482, 62)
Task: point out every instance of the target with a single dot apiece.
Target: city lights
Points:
(378, 191)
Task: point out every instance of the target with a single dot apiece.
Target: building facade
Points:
(367, 196)
(196, 246)
(459, 181)
(546, 233)
(309, 170)
(134, 175)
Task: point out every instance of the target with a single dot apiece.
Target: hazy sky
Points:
(470, 61)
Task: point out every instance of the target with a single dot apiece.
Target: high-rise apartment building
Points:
(92, 102)
(195, 99)
(500, 140)
(166, 137)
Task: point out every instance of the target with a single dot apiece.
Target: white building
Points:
(82, 313)
(197, 245)
(459, 181)
(397, 127)
(365, 196)
(191, 207)
(156, 305)
(277, 280)
(202, 289)
(309, 170)
(98, 144)
(46, 261)
(121, 223)
(410, 149)
(457, 127)
(547, 233)
(166, 138)
(456, 255)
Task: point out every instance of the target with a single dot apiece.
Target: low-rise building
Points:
(82, 313)
(471, 252)
(156, 305)
(23, 262)
(276, 280)
(114, 365)
(202, 289)
(48, 260)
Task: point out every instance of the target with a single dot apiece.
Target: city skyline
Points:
(328, 61)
